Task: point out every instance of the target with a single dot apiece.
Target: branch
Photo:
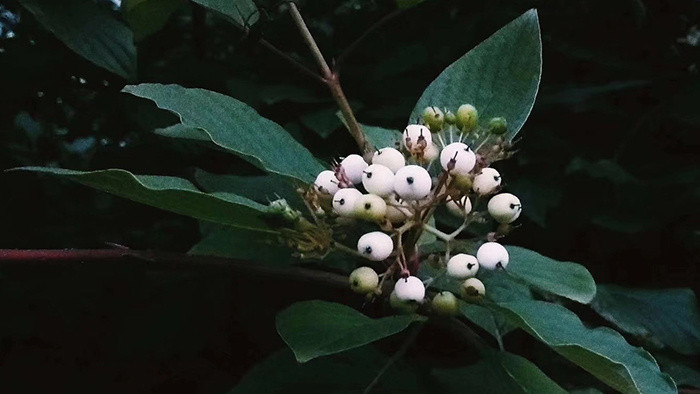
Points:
(333, 81)
(62, 255)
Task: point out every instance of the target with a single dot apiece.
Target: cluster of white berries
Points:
(397, 191)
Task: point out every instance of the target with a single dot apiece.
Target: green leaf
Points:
(601, 351)
(482, 317)
(171, 194)
(90, 30)
(242, 12)
(262, 189)
(243, 244)
(348, 372)
(379, 137)
(497, 373)
(500, 76)
(667, 317)
(146, 17)
(318, 328)
(565, 279)
(682, 373)
(233, 126)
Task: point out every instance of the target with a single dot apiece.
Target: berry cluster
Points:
(399, 190)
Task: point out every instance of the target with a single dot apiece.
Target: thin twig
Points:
(346, 52)
(306, 34)
(332, 80)
(399, 353)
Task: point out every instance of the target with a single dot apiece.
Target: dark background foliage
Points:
(607, 169)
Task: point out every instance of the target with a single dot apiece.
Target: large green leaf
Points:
(172, 194)
(562, 278)
(243, 244)
(146, 17)
(379, 137)
(601, 351)
(348, 372)
(500, 76)
(683, 372)
(89, 30)
(667, 317)
(262, 189)
(489, 320)
(497, 373)
(234, 126)
(242, 12)
(318, 328)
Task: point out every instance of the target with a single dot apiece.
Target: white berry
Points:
(457, 158)
(402, 306)
(462, 266)
(492, 255)
(378, 179)
(390, 158)
(487, 181)
(397, 210)
(410, 288)
(461, 211)
(412, 183)
(431, 153)
(473, 288)
(353, 166)
(363, 280)
(416, 136)
(370, 207)
(344, 201)
(445, 304)
(504, 207)
(375, 246)
(326, 182)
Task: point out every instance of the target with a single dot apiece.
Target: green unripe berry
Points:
(450, 117)
(498, 126)
(370, 207)
(433, 118)
(473, 289)
(467, 117)
(445, 304)
(364, 280)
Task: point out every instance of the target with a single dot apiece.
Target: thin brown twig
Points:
(332, 80)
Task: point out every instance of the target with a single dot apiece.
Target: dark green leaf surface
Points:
(146, 17)
(234, 126)
(482, 317)
(242, 12)
(380, 137)
(601, 351)
(348, 372)
(498, 373)
(668, 317)
(243, 244)
(318, 328)
(262, 189)
(171, 194)
(680, 370)
(500, 76)
(565, 279)
(89, 30)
